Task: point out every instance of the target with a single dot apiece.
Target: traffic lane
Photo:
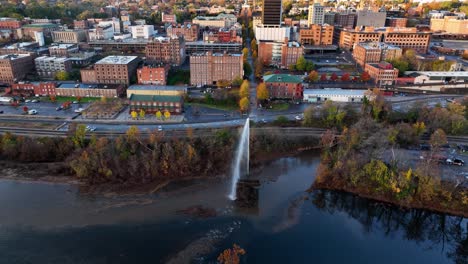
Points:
(43, 109)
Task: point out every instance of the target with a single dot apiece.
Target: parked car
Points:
(27, 101)
(75, 102)
(34, 101)
(32, 112)
(160, 128)
(58, 108)
(1, 112)
(79, 110)
(90, 128)
(298, 118)
(458, 162)
(425, 147)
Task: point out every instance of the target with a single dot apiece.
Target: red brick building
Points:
(15, 67)
(187, 30)
(284, 86)
(383, 73)
(281, 54)
(33, 88)
(166, 50)
(396, 22)
(10, 23)
(153, 74)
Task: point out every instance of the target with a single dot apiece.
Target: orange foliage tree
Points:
(231, 255)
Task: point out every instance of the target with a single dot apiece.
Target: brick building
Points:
(284, 86)
(405, 38)
(219, 21)
(372, 52)
(81, 24)
(112, 70)
(61, 89)
(69, 36)
(450, 24)
(33, 88)
(345, 19)
(396, 22)
(280, 54)
(63, 50)
(221, 35)
(47, 28)
(167, 18)
(166, 50)
(10, 23)
(317, 35)
(15, 67)
(187, 30)
(154, 103)
(209, 68)
(382, 73)
(153, 74)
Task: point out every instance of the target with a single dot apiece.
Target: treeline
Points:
(363, 157)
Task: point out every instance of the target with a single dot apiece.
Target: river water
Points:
(279, 222)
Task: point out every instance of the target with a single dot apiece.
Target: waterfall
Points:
(242, 154)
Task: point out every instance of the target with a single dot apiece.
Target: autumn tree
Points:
(323, 77)
(245, 53)
(133, 132)
(365, 77)
(25, 109)
(237, 81)
(253, 45)
(334, 77)
(262, 92)
(313, 76)
(158, 115)
(142, 114)
(438, 139)
(62, 76)
(222, 83)
(79, 137)
(244, 89)
(231, 256)
(134, 114)
(244, 104)
(345, 77)
(167, 115)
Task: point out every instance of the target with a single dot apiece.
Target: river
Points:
(280, 223)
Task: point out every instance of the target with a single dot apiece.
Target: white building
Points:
(115, 23)
(336, 95)
(142, 31)
(316, 14)
(272, 33)
(426, 77)
(101, 33)
(49, 66)
(369, 18)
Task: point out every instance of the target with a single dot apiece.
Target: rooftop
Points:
(218, 17)
(334, 91)
(77, 85)
(157, 87)
(440, 74)
(156, 98)
(282, 78)
(117, 60)
(55, 59)
(63, 46)
(217, 54)
(42, 25)
(13, 56)
(377, 45)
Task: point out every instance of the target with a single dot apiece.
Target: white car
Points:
(34, 101)
(79, 110)
(27, 101)
(32, 112)
(160, 128)
(90, 128)
(298, 118)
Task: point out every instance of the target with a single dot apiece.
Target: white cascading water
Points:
(242, 153)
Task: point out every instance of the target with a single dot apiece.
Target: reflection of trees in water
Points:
(450, 232)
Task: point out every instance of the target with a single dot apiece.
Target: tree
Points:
(334, 77)
(401, 65)
(133, 132)
(247, 69)
(222, 83)
(142, 114)
(79, 136)
(301, 64)
(158, 114)
(313, 76)
(244, 89)
(323, 77)
(62, 76)
(244, 104)
(25, 109)
(237, 81)
(345, 77)
(365, 77)
(167, 115)
(253, 45)
(438, 138)
(134, 114)
(53, 99)
(245, 52)
(85, 15)
(254, 54)
(258, 69)
(262, 92)
(231, 256)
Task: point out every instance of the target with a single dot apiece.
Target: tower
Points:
(316, 14)
(272, 11)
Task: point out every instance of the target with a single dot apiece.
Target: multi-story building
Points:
(284, 86)
(114, 22)
(219, 21)
(168, 18)
(33, 88)
(316, 35)
(115, 69)
(69, 36)
(215, 47)
(281, 54)
(368, 18)
(153, 74)
(272, 12)
(10, 23)
(405, 38)
(396, 22)
(30, 30)
(209, 68)
(88, 75)
(372, 52)
(329, 18)
(80, 24)
(62, 50)
(166, 50)
(345, 19)
(61, 89)
(20, 48)
(101, 33)
(48, 67)
(154, 103)
(272, 32)
(142, 31)
(156, 90)
(382, 73)
(450, 24)
(316, 14)
(14, 67)
(187, 30)
(257, 20)
(222, 35)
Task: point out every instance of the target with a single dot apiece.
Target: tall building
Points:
(368, 18)
(142, 31)
(396, 22)
(372, 52)
(116, 69)
(316, 35)
(272, 12)
(272, 32)
(316, 14)
(48, 67)
(209, 68)
(450, 24)
(281, 54)
(166, 50)
(153, 74)
(345, 19)
(14, 67)
(219, 21)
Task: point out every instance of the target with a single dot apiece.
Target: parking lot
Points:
(47, 109)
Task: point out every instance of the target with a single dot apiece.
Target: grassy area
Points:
(223, 107)
(279, 107)
(176, 77)
(62, 99)
(29, 125)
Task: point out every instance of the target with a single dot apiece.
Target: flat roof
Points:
(156, 98)
(117, 60)
(282, 78)
(55, 59)
(78, 85)
(334, 91)
(63, 46)
(441, 73)
(156, 87)
(13, 56)
(42, 25)
(377, 45)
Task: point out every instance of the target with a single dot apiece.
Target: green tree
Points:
(401, 65)
(142, 114)
(79, 136)
(62, 76)
(237, 81)
(247, 69)
(301, 64)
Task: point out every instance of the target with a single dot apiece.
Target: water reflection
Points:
(449, 232)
